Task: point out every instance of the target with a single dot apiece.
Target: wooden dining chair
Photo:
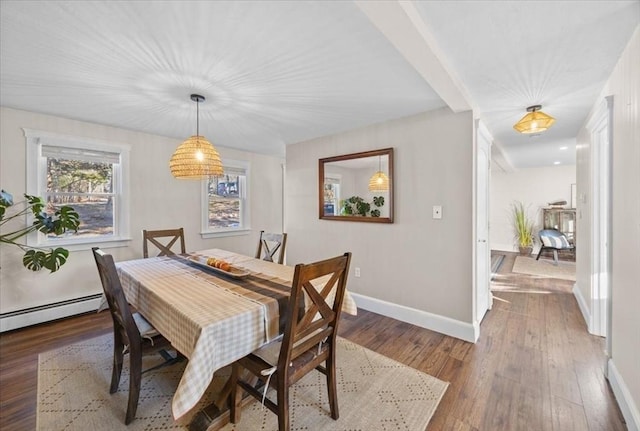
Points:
(309, 340)
(269, 244)
(172, 235)
(132, 334)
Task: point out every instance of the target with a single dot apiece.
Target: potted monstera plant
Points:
(62, 220)
(524, 229)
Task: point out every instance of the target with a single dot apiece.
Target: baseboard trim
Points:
(582, 304)
(445, 325)
(45, 313)
(623, 396)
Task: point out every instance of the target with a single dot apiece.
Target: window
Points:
(332, 194)
(87, 175)
(225, 201)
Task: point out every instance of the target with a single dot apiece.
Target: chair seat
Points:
(269, 353)
(144, 327)
(554, 240)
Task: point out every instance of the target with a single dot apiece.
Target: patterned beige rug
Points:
(375, 393)
(545, 268)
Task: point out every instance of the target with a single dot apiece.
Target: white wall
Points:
(624, 366)
(157, 201)
(535, 187)
(416, 262)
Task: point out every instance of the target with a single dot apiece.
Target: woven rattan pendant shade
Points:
(535, 121)
(196, 158)
(379, 182)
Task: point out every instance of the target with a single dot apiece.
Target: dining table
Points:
(213, 317)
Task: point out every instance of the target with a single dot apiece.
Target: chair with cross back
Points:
(270, 245)
(164, 247)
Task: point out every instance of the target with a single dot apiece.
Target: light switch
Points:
(437, 211)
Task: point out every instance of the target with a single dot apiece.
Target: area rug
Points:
(545, 268)
(374, 393)
(496, 263)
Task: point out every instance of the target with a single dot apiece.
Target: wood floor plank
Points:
(568, 416)
(601, 411)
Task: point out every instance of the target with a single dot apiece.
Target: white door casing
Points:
(601, 143)
(482, 255)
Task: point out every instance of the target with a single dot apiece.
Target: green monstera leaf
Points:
(64, 219)
(52, 260)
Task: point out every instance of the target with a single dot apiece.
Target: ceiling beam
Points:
(401, 24)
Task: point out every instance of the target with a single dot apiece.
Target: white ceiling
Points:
(276, 72)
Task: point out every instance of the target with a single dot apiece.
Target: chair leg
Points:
(555, 257)
(118, 357)
(331, 386)
(135, 376)
(540, 252)
(283, 405)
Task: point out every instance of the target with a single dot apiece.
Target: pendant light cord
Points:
(197, 117)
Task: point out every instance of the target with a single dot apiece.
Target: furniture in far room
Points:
(164, 248)
(554, 240)
(308, 343)
(561, 219)
(271, 244)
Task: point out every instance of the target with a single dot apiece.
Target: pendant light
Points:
(379, 181)
(196, 158)
(535, 121)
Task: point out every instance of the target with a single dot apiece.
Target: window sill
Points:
(224, 233)
(87, 244)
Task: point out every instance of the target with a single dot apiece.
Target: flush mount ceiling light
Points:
(535, 121)
(196, 158)
(379, 181)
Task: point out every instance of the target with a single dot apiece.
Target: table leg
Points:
(216, 415)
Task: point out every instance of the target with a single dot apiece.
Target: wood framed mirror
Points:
(357, 187)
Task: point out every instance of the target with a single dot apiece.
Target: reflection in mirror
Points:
(357, 187)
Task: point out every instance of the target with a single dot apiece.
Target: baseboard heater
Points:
(45, 313)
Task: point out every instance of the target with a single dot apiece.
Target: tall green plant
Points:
(35, 258)
(522, 225)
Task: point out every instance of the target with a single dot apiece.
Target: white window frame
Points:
(338, 179)
(37, 185)
(245, 206)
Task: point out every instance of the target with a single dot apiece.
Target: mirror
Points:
(357, 187)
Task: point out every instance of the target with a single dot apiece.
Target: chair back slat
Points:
(165, 248)
(270, 244)
(320, 319)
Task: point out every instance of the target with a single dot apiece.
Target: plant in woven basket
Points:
(523, 227)
(62, 220)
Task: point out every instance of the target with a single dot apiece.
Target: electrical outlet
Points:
(357, 272)
(437, 211)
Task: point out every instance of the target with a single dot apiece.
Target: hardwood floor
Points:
(535, 367)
